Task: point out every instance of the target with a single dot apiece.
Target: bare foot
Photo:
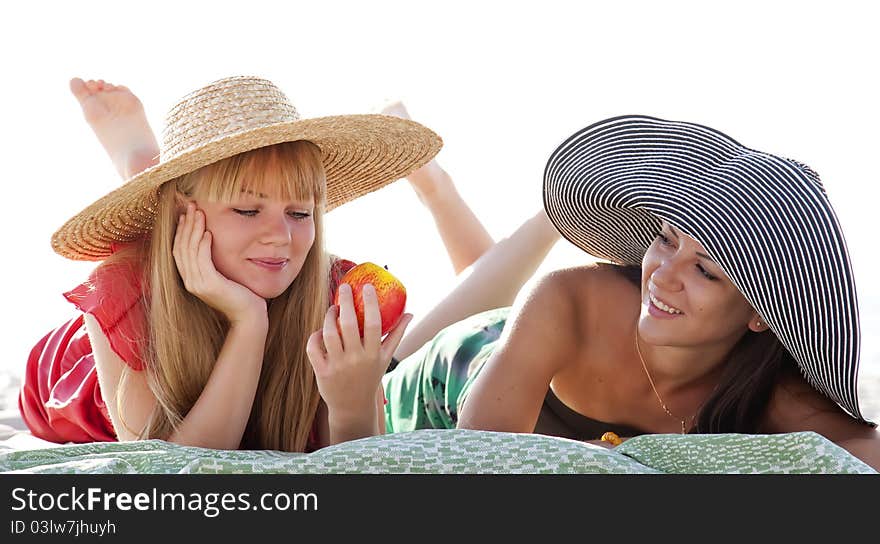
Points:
(117, 117)
(430, 181)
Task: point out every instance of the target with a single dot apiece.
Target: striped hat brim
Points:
(766, 221)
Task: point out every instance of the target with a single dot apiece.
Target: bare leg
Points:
(117, 117)
(464, 236)
(493, 282)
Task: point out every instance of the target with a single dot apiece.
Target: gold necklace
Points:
(651, 381)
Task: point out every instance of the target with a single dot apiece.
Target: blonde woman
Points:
(196, 326)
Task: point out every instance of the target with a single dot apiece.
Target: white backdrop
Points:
(502, 82)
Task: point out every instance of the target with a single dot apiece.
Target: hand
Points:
(192, 254)
(349, 368)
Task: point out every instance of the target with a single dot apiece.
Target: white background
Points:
(502, 82)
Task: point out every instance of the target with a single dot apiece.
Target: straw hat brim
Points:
(361, 154)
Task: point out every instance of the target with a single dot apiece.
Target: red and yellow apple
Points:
(389, 290)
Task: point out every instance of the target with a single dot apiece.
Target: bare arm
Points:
(795, 407)
(217, 419)
(866, 447)
(139, 399)
(538, 341)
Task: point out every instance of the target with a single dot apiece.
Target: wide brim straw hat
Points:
(766, 221)
(361, 153)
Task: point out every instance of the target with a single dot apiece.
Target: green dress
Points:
(426, 390)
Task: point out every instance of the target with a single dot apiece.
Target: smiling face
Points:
(260, 242)
(262, 209)
(687, 300)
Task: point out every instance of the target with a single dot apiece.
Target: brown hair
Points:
(185, 335)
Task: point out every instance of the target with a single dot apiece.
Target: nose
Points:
(667, 276)
(276, 230)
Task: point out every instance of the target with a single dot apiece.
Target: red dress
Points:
(60, 399)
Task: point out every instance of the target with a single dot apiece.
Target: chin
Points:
(269, 292)
(658, 333)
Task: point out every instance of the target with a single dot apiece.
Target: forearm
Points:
(218, 418)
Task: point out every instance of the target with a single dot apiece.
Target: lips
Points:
(661, 305)
(270, 263)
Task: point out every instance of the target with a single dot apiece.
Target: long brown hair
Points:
(750, 371)
(185, 335)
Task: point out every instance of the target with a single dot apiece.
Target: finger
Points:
(315, 351)
(179, 249)
(196, 235)
(203, 257)
(185, 230)
(187, 251)
(196, 230)
(389, 345)
(372, 317)
(351, 334)
(331, 333)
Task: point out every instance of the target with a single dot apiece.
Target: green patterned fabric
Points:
(427, 388)
(455, 452)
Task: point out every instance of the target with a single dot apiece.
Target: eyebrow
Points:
(701, 255)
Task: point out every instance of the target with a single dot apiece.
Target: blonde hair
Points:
(185, 335)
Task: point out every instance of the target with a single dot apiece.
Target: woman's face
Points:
(258, 241)
(686, 299)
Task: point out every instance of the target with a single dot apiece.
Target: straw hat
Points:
(361, 153)
(765, 220)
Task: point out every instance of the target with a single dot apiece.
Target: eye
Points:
(664, 239)
(246, 213)
(706, 273)
(299, 216)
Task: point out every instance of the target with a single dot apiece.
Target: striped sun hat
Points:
(766, 221)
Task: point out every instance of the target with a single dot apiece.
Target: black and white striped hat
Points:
(765, 220)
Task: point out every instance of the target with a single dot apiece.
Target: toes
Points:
(78, 88)
(92, 86)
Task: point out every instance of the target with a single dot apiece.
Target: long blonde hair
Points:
(185, 335)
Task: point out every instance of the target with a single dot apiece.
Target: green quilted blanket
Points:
(455, 452)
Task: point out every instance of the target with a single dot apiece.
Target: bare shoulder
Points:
(570, 296)
(795, 407)
(564, 312)
(546, 335)
(586, 284)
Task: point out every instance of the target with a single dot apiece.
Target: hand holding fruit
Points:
(348, 368)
